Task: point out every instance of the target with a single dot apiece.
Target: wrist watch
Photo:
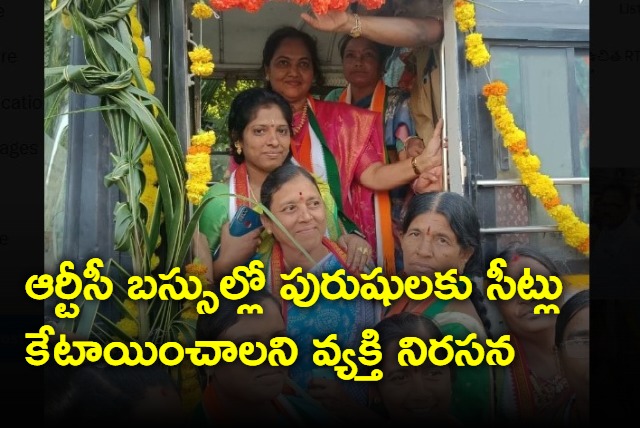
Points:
(356, 31)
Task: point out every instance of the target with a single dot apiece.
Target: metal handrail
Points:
(520, 229)
(518, 182)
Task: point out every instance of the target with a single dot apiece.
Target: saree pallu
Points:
(346, 318)
(472, 394)
(354, 138)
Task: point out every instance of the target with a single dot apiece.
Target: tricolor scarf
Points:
(314, 155)
(238, 185)
(385, 246)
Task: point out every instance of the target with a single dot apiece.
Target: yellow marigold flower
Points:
(147, 156)
(207, 138)
(136, 27)
(526, 162)
(505, 122)
(575, 231)
(148, 199)
(195, 192)
(542, 187)
(145, 66)
(200, 54)
(499, 111)
(128, 327)
(496, 88)
(189, 314)
(197, 187)
(476, 52)
(197, 163)
(514, 136)
(154, 262)
(150, 174)
(494, 103)
(131, 306)
(139, 46)
(465, 15)
(195, 268)
(66, 20)
(561, 213)
(151, 87)
(201, 11)
(202, 69)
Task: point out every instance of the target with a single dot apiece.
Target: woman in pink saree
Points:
(340, 143)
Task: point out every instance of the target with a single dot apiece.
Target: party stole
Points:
(385, 246)
(238, 185)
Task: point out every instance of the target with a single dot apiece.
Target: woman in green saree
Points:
(440, 232)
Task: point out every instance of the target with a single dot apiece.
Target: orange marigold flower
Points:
(198, 149)
(550, 203)
(584, 247)
(497, 88)
(518, 147)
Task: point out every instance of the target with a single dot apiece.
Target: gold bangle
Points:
(414, 164)
(356, 31)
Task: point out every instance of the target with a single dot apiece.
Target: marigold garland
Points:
(575, 231)
(318, 6)
(150, 192)
(201, 57)
(198, 165)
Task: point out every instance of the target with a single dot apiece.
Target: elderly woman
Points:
(441, 231)
(340, 143)
(259, 127)
(363, 65)
(530, 385)
(292, 196)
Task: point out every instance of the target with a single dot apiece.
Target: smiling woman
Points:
(292, 195)
(533, 382)
(259, 128)
(340, 143)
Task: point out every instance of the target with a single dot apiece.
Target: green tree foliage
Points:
(216, 99)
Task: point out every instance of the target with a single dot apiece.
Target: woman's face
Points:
(299, 207)
(430, 245)
(291, 70)
(361, 63)
(573, 354)
(517, 313)
(266, 139)
(239, 382)
(414, 394)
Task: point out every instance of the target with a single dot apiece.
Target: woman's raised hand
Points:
(432, 154)
(330, 21)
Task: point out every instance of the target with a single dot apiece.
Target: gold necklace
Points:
(303, 120)
(251, 194)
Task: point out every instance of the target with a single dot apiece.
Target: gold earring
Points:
(267, 78)
(238, 149)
